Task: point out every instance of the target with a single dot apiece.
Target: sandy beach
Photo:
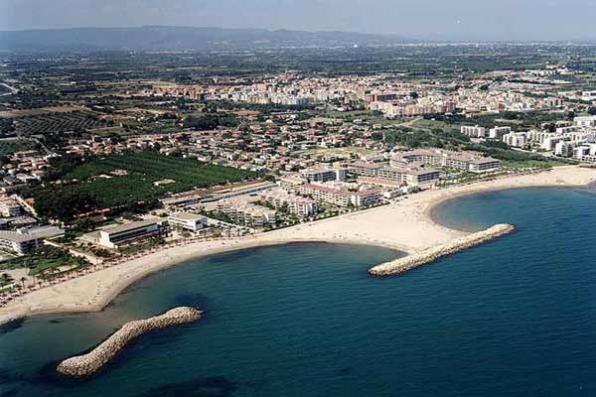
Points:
(405, 225)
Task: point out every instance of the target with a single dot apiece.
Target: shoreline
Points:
(406, 226)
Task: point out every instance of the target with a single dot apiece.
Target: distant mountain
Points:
(169, 38)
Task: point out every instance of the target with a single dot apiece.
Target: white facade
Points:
(188, 221)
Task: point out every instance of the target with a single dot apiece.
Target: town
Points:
(98, 169)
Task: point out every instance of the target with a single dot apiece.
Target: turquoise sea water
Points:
(514, 317)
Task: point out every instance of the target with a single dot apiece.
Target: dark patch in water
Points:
(217, 386)
(346, 370)
(8, 393)
(55, 321)
(11, 326)
(192, 299)
(6, 376)
(48, 374)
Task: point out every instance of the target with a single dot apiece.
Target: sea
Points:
(512, 317)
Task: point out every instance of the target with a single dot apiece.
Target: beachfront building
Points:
(18, 243)
(465, 161)
(116, 236)
(187, 221)
(341, 194)
(245, 213)
(405, 174)
(294, 204)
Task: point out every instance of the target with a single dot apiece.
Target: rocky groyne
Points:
(429, 255)
(93, 361)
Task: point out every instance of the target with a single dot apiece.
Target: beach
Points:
(405, 225)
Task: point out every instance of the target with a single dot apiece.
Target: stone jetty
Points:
(93, 361)
(429, 255)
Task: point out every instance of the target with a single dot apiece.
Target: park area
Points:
(129, 181)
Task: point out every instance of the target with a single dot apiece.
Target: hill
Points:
(170, 38)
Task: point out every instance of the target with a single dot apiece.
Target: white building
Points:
(297, 205)
(564, 149)
(498, 132)
(516, 139)
(324, 174)
(18, 243)
(188, 221)
(474, 131)
(585, 121)
(125, 234)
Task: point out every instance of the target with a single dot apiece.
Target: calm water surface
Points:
(514, 317)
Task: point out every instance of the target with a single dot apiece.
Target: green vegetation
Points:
(46, 262)
(209, 121)
(9, 147)
(125, 182)
(431, 133)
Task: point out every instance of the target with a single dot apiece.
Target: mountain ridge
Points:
(179, 38)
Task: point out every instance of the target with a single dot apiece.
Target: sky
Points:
(523, 20)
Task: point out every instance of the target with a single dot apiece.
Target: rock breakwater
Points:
(429, 255)
(93, 361)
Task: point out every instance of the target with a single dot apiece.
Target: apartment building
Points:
(245, 213)
(465, 161)
(324, 174)
(341, 194)
(516, 139)
(473, 131)
(408, 174)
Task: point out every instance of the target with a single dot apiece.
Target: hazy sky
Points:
(433, 19)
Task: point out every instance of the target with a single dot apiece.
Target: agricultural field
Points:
(126, 181)
(57, 122)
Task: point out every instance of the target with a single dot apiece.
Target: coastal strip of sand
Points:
(405, 225)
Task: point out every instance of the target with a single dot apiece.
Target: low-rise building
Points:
(294, 204)
(18, 243)
(9, 207)
(130, 232)
(187, 221)
(245, 213)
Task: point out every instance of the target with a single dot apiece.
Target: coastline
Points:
(406, 226)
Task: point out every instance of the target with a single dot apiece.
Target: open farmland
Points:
(123, 181)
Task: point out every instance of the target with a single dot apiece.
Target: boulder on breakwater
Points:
(429, 255)
(93, 361)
